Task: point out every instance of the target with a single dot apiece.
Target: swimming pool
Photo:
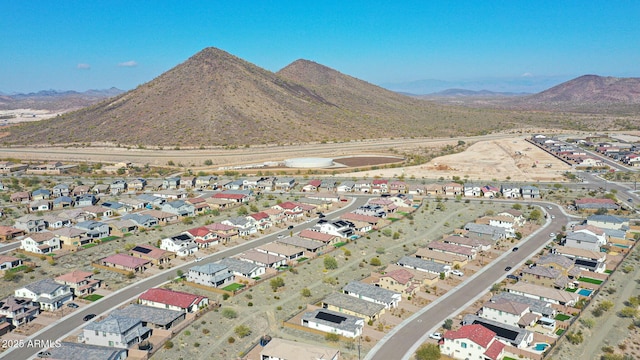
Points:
(585, 292)
(540, 346)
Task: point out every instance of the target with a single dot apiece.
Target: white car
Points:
(280, 236)
(552, 235)
(457, 272)
(437, 336)
(198, 259)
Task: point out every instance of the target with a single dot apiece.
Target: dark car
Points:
(89, 317)
(513, 277)
(515, 249)
(73, 305)
(44, 354)
(507, 268)
(321, 215)
(290, 227)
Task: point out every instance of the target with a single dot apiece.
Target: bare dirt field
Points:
(501, 159)
(495, 156)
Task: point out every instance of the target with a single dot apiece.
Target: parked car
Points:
(290, 227)
(514, 249)
(88, 317)
(198, 259)
(457, 272)
(437, 336)
(552, 235)
(73, 305)
(513, 277)
(508, 268)
(44, 354)
(280, 236)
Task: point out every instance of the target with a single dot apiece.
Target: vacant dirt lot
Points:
(495, 156)
(501, 159)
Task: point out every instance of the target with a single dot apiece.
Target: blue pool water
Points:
(585, 292)
(541, 346)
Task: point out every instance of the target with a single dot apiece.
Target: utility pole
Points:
(359, 341)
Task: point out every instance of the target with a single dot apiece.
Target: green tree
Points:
(330, 263)
(208, 162)
(276, 283)
(602, 211)
(448, 324)
(375, 261)
(535, 215)
(428, 352)
(305, 292)
(516, 207)
(242, 331)
(253, 208)
(180, 273)
(242, 211)
(628, 312)
(229, 313)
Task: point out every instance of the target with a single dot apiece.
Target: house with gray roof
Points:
(343, 303)
(179, 207)
(484, 231)
(212, 274)
(372, 293)
(151, 200)
(94, 229)
(142, 220)
(152, 317)
(309, 246)
(346, 186)
(584, 240)
(428, 266)
(530, 192)
(48, 293)
(19, 311)
(540, 307)
(60, 190)
(333, 322)
(115, 331)
(71, 350)
(608, 222)
(245, 225)
(285, 183)
(243, 268)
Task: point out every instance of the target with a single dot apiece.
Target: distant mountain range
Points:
(215, 98)
(55, 100)
(516, 85)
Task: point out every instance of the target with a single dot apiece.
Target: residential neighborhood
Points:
(132, 230)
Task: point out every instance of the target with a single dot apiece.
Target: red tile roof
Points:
(219, 227)
(288, 205)
(126, 261)
(315, 235)
(9, 230)
(260, 215)
(315, 183)
(170, 297)
(201, 231)
(400, 275)
(476, 333)
(229, 196)
(75, 276)
(494, 350)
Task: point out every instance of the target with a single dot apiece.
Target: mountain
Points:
(55, 100)
(215, 98)
(470, 93)
(519, 84)
(592, 89)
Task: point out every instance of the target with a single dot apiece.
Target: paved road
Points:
(402, 342)
(70, 323)
(9, 247)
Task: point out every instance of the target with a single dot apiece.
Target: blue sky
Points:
(80, 45)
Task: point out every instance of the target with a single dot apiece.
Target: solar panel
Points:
(502, 332)
(336, 319)
(141, 249)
